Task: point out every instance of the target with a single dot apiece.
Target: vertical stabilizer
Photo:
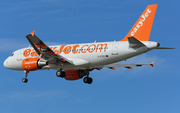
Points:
(142, 28)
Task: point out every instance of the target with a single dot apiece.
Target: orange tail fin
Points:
(142, 28)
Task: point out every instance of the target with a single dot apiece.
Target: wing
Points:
(129, 66)
(43, 50)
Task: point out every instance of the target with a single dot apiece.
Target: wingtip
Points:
(32, 33)
(152, 64)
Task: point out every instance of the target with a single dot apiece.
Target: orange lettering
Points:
(74, 49)
(27, 52)
(54, 49)
(67, 50)
(61, 49)
(33, 53)
(91, 48)
(101, 47)
(85, 50)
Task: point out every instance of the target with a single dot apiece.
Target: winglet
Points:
(32, 33)
(152, 64)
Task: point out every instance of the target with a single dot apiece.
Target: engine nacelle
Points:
(32, 64)
(75, 74)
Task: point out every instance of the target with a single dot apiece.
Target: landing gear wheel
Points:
(60, 73)
(24, 80)
(88, 80)
(85, 79)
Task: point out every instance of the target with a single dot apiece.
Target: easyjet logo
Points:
(140, 23)
(75, 49)
(29, 63)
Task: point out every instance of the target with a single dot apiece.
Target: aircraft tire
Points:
(24, 80)
(88, 80)
(60, 73)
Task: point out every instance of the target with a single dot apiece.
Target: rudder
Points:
(142, 28)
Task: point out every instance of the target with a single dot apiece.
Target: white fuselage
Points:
(84, 56)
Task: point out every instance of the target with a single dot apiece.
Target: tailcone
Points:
(158, 44)
(152, 45)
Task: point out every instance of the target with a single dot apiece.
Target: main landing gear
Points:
(60, 73)
(88, 80)
(25, 80)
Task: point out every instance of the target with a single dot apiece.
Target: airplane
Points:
(76, 61)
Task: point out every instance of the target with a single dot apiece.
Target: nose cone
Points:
(13, 64)
(5, 63)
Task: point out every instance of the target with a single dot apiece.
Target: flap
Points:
(79, 62)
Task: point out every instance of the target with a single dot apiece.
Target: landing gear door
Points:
(19, 56)
(115, 48)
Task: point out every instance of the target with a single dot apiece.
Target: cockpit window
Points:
(12, 54)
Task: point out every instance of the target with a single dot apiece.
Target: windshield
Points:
(12, 54)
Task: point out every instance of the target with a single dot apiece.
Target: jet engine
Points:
(75, 74)
(32, 64)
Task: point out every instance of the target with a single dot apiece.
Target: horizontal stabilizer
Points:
(134, 43)
(164, 48)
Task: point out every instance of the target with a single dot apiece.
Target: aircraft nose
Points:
(5, 63)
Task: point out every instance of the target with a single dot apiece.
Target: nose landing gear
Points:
(25, 80)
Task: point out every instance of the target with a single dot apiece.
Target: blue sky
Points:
(141, 90)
